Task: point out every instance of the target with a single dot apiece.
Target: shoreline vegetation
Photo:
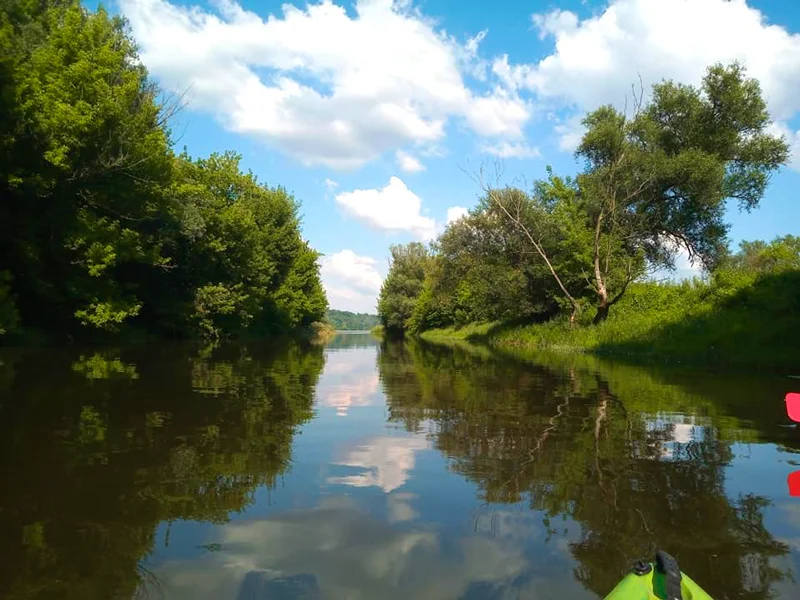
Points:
(570, 264)
(751, 324)
(109, 233)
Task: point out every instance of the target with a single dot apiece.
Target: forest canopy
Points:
(103, 227)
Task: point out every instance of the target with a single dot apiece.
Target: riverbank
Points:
(755, 324)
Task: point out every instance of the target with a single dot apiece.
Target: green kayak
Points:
(662, 580)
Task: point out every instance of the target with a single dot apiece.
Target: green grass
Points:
(738, 320)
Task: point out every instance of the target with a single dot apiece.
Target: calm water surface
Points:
(250, 471)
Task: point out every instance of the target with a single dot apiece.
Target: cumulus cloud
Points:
(596, 59)
(352, 282)
(454, 213)
(349, 380)
(511, 150)
(386, 462)
(322, 85)
(338, 550)
(408, 163)
(393, 209)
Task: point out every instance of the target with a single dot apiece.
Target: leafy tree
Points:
(781, 254)
(402, 286)
(652, 183)
(482, 270)
(103, 228)
(242, 262)
(662, 177)
(86, 156)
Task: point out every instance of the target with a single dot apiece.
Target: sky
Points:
(375, 113)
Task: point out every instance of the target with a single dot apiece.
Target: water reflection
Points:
(106, 445)
(229, 472)
(349, 379)
(612, 449)
(344, 552)
(387, 461)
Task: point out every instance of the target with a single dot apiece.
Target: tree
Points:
(102, 227)
(482, 271)
(659, 180)
(653, 183)
(539, 219)
(85, 158)
(241, 262)
(781, 254)
(402, 286)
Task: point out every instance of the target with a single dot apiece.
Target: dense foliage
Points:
(402, 286)
(747, 312)
(102, 226)
(653, 184)
(350, 321)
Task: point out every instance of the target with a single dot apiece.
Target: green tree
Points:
(781, 254)
(242, 264)
(85, 158)
(482, 270)
(402, 286)
(661, 178)
(102, 227)
(652, 184)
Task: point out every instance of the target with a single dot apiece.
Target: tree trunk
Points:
(602, 311)
(602, 291)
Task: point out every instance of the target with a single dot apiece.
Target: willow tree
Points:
(654, 183)
(659, 181)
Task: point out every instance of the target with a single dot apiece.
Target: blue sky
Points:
(369, 111)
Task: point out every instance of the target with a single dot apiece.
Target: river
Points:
(360, 470)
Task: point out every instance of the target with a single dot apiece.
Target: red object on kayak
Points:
(793, 406)
(794, 483)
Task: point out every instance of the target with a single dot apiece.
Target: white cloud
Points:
(319, 84)
(387, 462)
(351, 281)
(349, 380)
(570, 132)
(408, 163)
(499, 113)
(511, 150)
(393, 208)
(793, 139)
(454, 213)
(330, 185)
(596, 60)
(338, 550)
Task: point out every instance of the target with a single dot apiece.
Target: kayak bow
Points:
(662, 580)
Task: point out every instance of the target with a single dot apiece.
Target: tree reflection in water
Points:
(637, 462)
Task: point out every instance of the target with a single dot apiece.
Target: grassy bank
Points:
(743, 321)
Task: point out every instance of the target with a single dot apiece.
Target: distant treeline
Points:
(573, 251)
(103, 227)
(349, 321)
